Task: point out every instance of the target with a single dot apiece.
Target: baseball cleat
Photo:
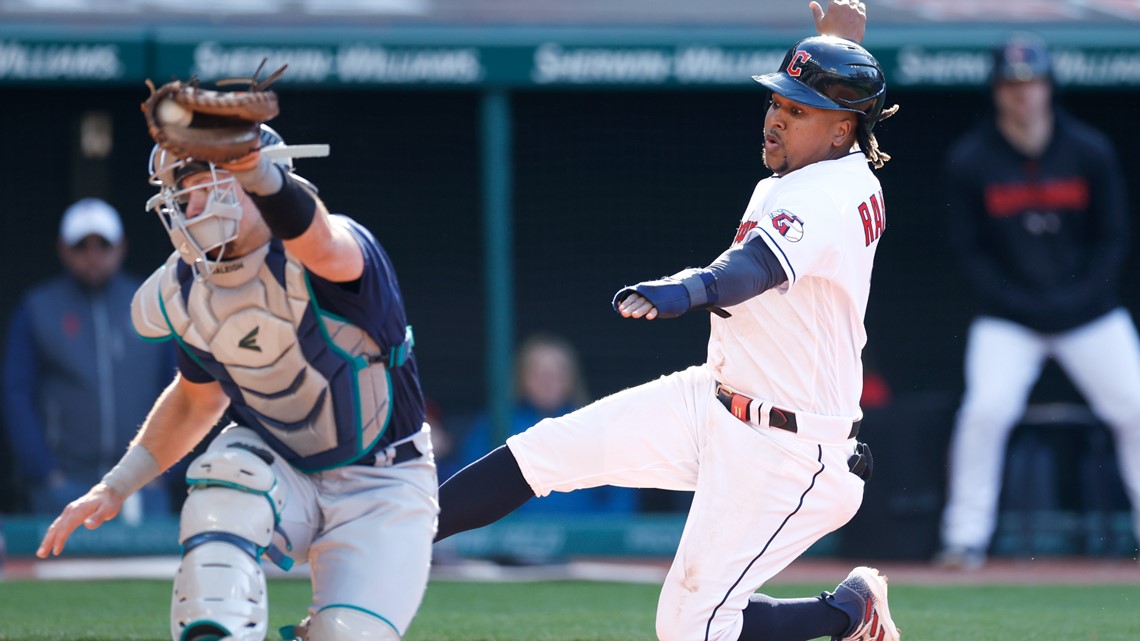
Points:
(876, 623)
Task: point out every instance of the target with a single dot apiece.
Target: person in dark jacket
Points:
(1038, 217)
(77, 380)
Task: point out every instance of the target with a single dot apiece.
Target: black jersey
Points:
(1042, 239)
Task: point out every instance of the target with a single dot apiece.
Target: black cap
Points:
(1023, 56)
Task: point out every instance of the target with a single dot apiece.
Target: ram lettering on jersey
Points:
(788, 224)
(742, 231)
(874, 217)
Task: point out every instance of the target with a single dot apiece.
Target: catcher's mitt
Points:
(209, 125)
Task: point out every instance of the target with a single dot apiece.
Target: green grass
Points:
(577, 611)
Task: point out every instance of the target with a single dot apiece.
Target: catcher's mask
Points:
(218, 223)
(827, 72)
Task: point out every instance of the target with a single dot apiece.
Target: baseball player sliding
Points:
(764, 432)
(293, 319)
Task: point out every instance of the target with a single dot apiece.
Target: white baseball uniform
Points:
(1003, 361)
(763, 495)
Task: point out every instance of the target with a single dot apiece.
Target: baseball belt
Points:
(399, 452)
(746, 409)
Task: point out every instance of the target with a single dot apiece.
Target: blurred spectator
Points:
(1038, 216)
(548, 383)
(77, 380)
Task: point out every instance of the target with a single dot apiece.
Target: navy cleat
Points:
(870, 587)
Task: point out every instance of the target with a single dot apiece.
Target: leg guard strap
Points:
(245, 545)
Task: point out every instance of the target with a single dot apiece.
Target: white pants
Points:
(365, 531)
(762, 497)
(1003, 361)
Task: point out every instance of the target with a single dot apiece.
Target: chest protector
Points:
(315, 386)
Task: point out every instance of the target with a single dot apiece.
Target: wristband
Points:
(290, 211)
(137, 468)
(699, 283)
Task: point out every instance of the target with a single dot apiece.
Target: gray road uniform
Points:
(328, 459)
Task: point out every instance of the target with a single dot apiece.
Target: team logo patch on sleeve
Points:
(788, 224)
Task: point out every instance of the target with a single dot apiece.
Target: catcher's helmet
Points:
(218, 223)
(831, 73)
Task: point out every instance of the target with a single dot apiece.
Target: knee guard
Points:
(341, 623)
(227, 522)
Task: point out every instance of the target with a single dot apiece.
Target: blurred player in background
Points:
(764, 432)
(1038, 216)
(77, 379)
(291, 318)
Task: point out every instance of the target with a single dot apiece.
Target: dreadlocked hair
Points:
(867, 141)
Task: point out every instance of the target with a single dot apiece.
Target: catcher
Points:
(291, 324)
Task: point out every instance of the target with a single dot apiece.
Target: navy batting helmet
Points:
(831, 73)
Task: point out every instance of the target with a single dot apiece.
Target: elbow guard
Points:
(702, 289)
(674, 295)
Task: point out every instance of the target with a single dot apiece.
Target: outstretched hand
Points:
(844, 18)
(99, 505)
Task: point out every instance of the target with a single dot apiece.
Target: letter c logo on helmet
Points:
(795, 66)
(827, 72)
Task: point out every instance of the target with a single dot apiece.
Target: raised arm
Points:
(297, 216)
